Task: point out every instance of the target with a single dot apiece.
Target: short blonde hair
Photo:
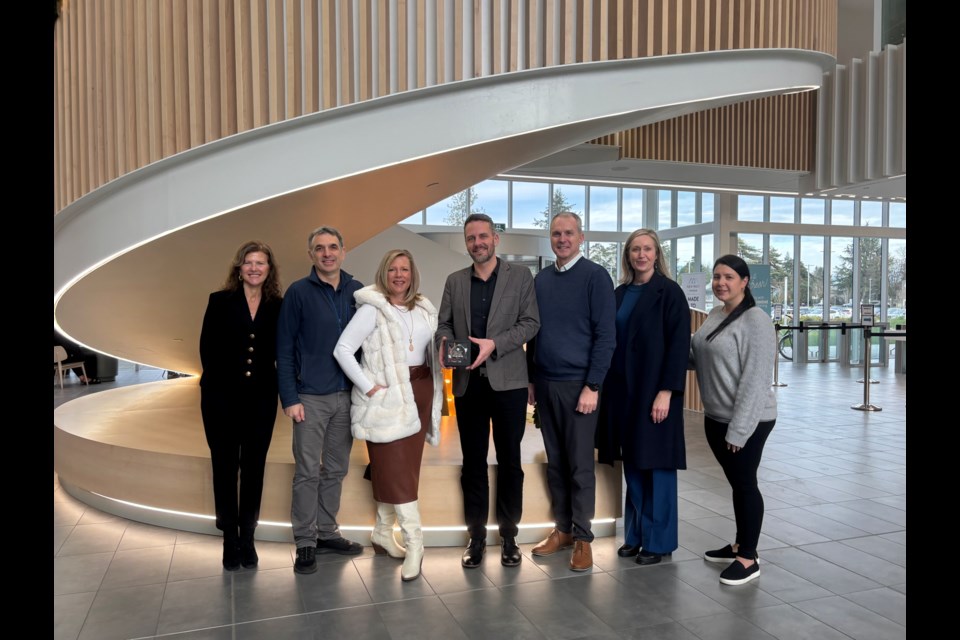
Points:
(660, 266)
(383, 286)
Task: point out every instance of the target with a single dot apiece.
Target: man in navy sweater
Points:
(315, 394)
(569, 359)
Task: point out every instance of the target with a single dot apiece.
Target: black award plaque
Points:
(458, 353)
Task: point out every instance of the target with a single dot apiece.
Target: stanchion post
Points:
(866, 406)
(776, 357)
(866, 357)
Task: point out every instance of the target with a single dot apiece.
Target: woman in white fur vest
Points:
(397, 396)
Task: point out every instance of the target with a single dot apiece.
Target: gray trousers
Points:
(568, 438)
(321, 453)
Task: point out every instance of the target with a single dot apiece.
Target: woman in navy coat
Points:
(641, 408)
(238, 393)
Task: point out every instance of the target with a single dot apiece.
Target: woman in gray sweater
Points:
(733, 355)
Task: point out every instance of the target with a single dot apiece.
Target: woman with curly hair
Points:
(238, 393)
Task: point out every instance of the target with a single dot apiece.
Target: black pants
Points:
(568, 438)
(238, 434)
(741, 471)
(507, 411)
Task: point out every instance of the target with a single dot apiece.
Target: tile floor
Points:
(833, 555)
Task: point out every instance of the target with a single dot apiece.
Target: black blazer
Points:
(655, 348)
(238, 353)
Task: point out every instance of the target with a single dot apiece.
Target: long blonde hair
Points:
(383, 286)
(660, 266)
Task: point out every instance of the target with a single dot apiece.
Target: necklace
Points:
(404, 323)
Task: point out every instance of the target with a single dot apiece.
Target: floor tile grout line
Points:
(884, 435)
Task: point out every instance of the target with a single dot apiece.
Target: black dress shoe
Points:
(648, 557)
(509, 552)
(473, 556)
(627, 551)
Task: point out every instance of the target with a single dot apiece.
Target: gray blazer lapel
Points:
(498, 290)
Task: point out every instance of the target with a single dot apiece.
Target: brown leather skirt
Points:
(395, 466)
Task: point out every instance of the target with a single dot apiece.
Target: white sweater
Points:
(391, 414)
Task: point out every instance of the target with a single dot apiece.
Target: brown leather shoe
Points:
(582, 558)
(554, 542)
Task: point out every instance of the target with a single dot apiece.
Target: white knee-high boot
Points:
(409, 516)
(382, 538)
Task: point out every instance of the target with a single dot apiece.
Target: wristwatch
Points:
(593, 386)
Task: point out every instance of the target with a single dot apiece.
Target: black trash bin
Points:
(106, 368)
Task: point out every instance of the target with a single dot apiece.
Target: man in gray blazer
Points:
(493, 304)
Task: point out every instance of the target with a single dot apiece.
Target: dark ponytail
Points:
(737, 264)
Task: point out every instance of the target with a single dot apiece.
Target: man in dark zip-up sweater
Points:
(315, 394)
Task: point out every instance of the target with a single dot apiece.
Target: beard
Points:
(482, 258)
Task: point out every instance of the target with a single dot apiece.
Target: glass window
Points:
(781, 209)
(706, 253)
(632, 209)
(870, 273)
(750, 208)
(898, 214)
(530, 205)
(686, 208)
(841, 212)
(870, 286)
(841, 278)
(606, 254)
(663, 209)
(810, 309)
(416, 218)
(707, 205)
(686, 258)
(812, 210)
(449, 211)
(897, 282)
(603, 209)
(666, 249)
(781, 271)
(811, 278)
(569, 197)
(455, 209)
(490, 197)
(871, 214)
(706, 265)
(750, 247)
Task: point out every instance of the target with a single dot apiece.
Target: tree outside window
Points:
(460, 206)
(559, 203)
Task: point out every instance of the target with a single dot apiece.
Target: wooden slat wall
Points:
(778, 132)
(211, 70)
(140, 81)
(168, 129)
